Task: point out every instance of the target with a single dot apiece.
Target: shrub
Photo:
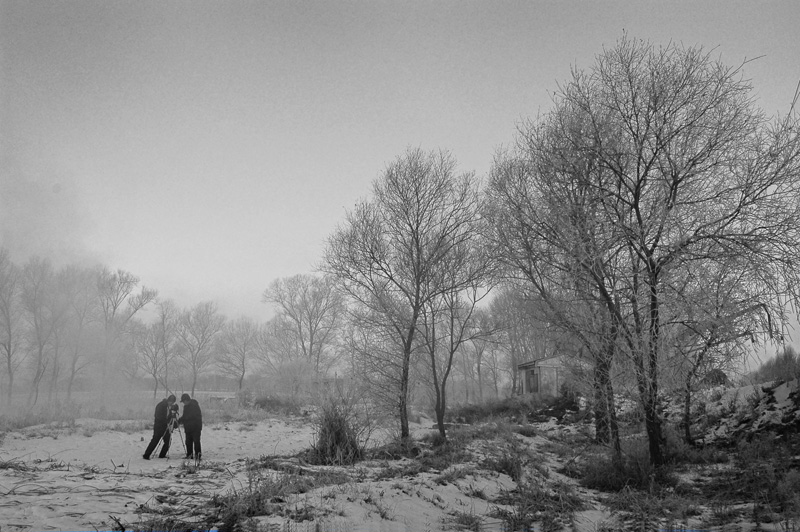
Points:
(467, 521)
(645, 510)
(262, 496)
(276, 405)
(634, 470)
(452, 474)
(161, 523)
(554, 506)
(525, 430)
(244, 398)
(516, 407)
(344, 425)
(510, 461)
(446, 455)
(337, 438)
(677, 451)
(766, 474)
(61, 416)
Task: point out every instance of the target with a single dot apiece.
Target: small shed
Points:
(542, 377)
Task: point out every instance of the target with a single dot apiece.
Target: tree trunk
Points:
(652, 421)
(33, 396)
(480, 382)
(439, 409)
(404, 376)
(53, 377)
(10, 379)
(653, 428)
(72, 372)
(687, 415)
(613, 426)
(601, 425)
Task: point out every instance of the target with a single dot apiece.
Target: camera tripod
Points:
(171, 426)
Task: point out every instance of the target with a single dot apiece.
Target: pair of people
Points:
(166, 419)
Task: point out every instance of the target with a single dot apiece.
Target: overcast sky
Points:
(210, 147)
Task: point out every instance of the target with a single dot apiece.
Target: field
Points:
(542, 472)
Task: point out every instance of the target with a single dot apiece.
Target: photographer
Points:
(192, 421)
(165, 420)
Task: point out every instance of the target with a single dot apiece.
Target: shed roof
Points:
(551, 361)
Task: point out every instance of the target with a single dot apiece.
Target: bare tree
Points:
(236, 348)
(197, 329)
(447, 324)
(277, 344)
(84, 322)
(74, 294)
(43, 313)
(119, 304)
(11, 325)
(313, 308)
(479, 343)
(496, 366)
(165, 337)
(279, 349)
(147, 343)
(393, 253)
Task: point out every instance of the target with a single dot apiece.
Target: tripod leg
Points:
(182, 444)
(157, 444)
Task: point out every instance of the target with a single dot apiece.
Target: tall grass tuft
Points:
(343, 425)
(337, 441)
(263, 495)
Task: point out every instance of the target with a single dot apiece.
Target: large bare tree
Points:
(394, 252)
(197, 329)
(119, 303)
(311, 309)
(237, 347)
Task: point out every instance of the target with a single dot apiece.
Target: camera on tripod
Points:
(172, 417)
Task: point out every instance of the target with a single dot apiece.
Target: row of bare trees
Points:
(73, 324)
(647, 226)
(61, 325)
(57, 322)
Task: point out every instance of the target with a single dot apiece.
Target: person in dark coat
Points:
(192, 421)
(164, 418)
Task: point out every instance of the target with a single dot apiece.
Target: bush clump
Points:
(276, 405)
(516, 407)
(263, 495)
(634, 470)
(337, 441)
(344, 424)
